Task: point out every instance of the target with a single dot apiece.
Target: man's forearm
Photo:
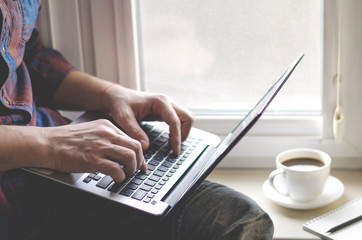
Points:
(21, 146)
(80, 91)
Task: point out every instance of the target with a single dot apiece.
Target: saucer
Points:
(333, 190)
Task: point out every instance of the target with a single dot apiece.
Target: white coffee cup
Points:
(303, 171)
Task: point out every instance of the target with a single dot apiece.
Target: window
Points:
(189, 50)
(231, 52)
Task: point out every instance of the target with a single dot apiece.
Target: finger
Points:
(112, 169)
(144, 167)
(187, 119)
(125, 157)
(175, 136)
(133, 129)
(129, 142)
(133, 145)
(165, 110)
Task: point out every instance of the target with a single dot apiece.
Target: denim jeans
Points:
(212, 211)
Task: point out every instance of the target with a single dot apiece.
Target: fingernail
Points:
(144, 144)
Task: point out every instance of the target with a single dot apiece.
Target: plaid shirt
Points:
(29, 76)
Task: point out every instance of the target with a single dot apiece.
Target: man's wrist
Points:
(102, 99)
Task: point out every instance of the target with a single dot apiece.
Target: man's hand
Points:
(96, 146)
(128, 107)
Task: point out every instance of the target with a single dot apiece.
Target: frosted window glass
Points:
(223, 55)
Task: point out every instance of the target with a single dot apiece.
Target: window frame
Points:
(271, 135)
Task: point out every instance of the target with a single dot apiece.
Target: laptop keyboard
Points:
(162, 165)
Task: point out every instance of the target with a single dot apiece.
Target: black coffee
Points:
(303, 163)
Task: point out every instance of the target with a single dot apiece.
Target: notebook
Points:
(322, 224)
(169, 178)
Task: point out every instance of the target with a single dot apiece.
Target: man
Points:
(35, 82)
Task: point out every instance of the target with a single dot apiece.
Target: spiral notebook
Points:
(324, 223)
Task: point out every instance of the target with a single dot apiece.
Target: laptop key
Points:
(147, 155)
(171, 159)
(153, 135)
(132, 186)
(151, 195)
(146, 188)
(115, 187)
(152, 150)
(87, 179)
(162, 169)
(96, 177)
(158, 143)
(139, 194)
(136, 181)
(92, 175)
(150, 183)
(150, 167)
(163, 139)
(126, 192)
(154, 162)
(154, 178)
(141, 176)
(158, 173)
(104, 183)
(166, 164)
(163, 153)
(158, 158)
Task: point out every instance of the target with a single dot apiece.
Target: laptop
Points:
(169, 178)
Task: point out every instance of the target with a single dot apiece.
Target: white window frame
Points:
(105, 43)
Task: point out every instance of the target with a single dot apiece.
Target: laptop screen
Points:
(251, 118)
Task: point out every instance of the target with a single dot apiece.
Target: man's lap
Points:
(215, 211)
(212, 211)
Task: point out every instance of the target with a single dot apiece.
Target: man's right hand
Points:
(96, 146)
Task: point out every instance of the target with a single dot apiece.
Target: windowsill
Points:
(287, 222)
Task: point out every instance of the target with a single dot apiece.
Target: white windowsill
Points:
(287, 222)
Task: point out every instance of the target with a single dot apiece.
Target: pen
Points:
(345, 224)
